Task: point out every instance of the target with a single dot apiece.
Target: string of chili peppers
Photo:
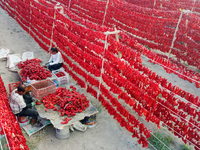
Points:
(9, 125)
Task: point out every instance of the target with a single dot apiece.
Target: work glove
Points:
(33, 104)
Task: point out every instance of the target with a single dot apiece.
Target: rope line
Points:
(152, 145)
(178, 115)
(174, 71)
(1, 145)
(5, 136)
(161, 141)
(181, 135)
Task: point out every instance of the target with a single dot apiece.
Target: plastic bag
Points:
(27, 55)
(79, 126)
(11, 60)
(4, 53)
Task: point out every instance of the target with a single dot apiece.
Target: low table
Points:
(56, 120)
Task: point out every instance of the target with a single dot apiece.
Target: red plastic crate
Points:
(12, 86)
(42, 88)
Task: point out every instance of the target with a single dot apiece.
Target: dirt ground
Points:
(107, 134)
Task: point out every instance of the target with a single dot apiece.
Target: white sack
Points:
(4, 53)
(11, 59)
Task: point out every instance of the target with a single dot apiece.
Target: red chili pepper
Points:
(70, 101)
(60, 74)
(38, 103)
(55, 109)
(33, 70)
(66, 120)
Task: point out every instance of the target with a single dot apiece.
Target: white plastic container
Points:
(63, 133)
(63, 79)
(23, 120)
(27, 55)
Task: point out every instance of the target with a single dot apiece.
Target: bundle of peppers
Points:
(33, 70)
(70, 102)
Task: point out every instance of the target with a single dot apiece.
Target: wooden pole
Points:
(52, 31)
(174, 38)
(102, 69)
(117, 39)
(193, 5)
(30, 17)
(105, 12)
(69, 4)
(112, 32)
(56, 7)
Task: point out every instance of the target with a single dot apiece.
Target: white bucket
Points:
(23, 120)
(63, 133)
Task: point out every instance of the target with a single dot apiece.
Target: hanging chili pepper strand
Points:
(126, 114)
(123, 82)
(9, 124)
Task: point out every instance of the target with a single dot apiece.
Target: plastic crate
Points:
(12, 86)
(63, 79)
(42, 88)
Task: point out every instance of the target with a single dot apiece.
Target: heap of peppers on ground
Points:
(69, 101)
(32, 69)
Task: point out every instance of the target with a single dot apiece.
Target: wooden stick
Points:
(105, 12)
(174, 38)
(56, 7)
(112, 32)
(117, 39)
(116, 35)
(30, 19)
(102, 68)
(60, 7)
(69, 4)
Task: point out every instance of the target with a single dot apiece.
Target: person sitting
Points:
(20, 104)
(55, 62)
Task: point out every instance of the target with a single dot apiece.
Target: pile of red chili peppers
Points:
(35, 61)
(33, 70)
(60, 74)
(70, 102)
(8, 123)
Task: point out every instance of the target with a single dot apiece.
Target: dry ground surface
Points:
(107, 134)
